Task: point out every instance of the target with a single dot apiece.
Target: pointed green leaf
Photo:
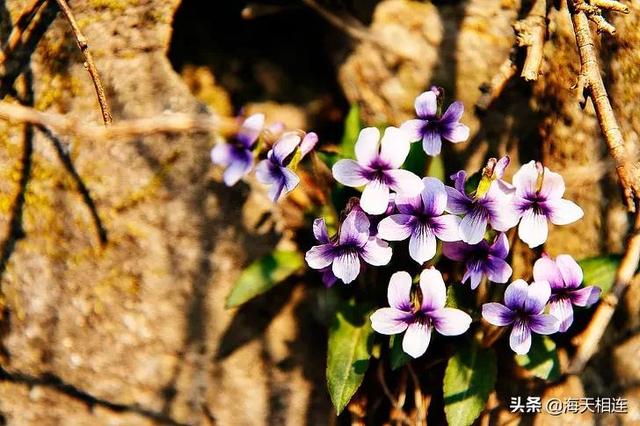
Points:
(398, 356)
(600, 271)
(542, 359)
(263, 275)
(352, 126)
(349, 351)
(468, 380)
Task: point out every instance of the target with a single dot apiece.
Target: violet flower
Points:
(421, 219)
(565, 276)
(538, 197)
(523, 309)
(493, 207)
(432, 128)
(343, 253)
(274, 171)
(481, 259)
(236, 156)
(378, 168)
(418, 316)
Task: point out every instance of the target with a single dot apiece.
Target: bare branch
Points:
(591, 79)
(88, 64)
(159, 124)
(530, 33)
(626, 275)
(23, 21)
(492, 91)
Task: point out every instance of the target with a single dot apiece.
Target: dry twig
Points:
(591, 84)
(159, 124)
(89, 64)
(625, 275)
(492, 91)
(23, 21)
(530, 33)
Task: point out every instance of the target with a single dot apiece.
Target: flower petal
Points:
(399, 291)
(453, 114)
(515, 295)
(498, 270)
(473, 275)
(367, 145)
(394, 147)
(501, 166)
(289, 182)
(404, 182)
(525, 179)
(240, 165)
(221, 154)
(396, 227)
(416, 339)
(537, 297)
(500, 246)
(457, 133)
(426, 104)
(413, 129)
(250, 129)
(284, 147)
(450, 321)
(547, 270)
(434, 292)
(434, 196)
(346, 266)
(431, 142)
(562, 310)
(473, 226)
(446, 227)
(544, 323)
(376, 252)
(457, 203)
(267, 173)
(533, 228)
(520, 339)
(308, 143)
(570, 270)
(457, 250)
(390, 321)
(355, 229)
(328, 279)
(422, 245)
(349, 173)
(375, 197)
(321, 256)
(563, 212)
(320, 231)
(497, 314)
(585, 296)
(552, 185)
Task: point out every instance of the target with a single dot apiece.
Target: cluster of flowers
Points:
(277, 170)
(471, 226)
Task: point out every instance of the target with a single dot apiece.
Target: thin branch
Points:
(626, 275)
(126, 129)
(421, 410)
(23, 21)
(530, 33)
(89, 64)
(493, 90)
(590, 81)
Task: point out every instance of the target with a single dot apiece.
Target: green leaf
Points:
(468, 380)
(416, 160)
(349, 351)
(600, 271)
(352, 126)
(460, 296)
(398, 356)
(264, 274)
(542, 359)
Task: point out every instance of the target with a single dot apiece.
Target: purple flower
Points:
(237, 157)
(491, 208)
(274, 171)
(418, 315)
(421, 218)
(378, 168)
(565, 276)
(523, 308)
(343, 253)
(481, 259)
(538, 197)
(432, 128)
